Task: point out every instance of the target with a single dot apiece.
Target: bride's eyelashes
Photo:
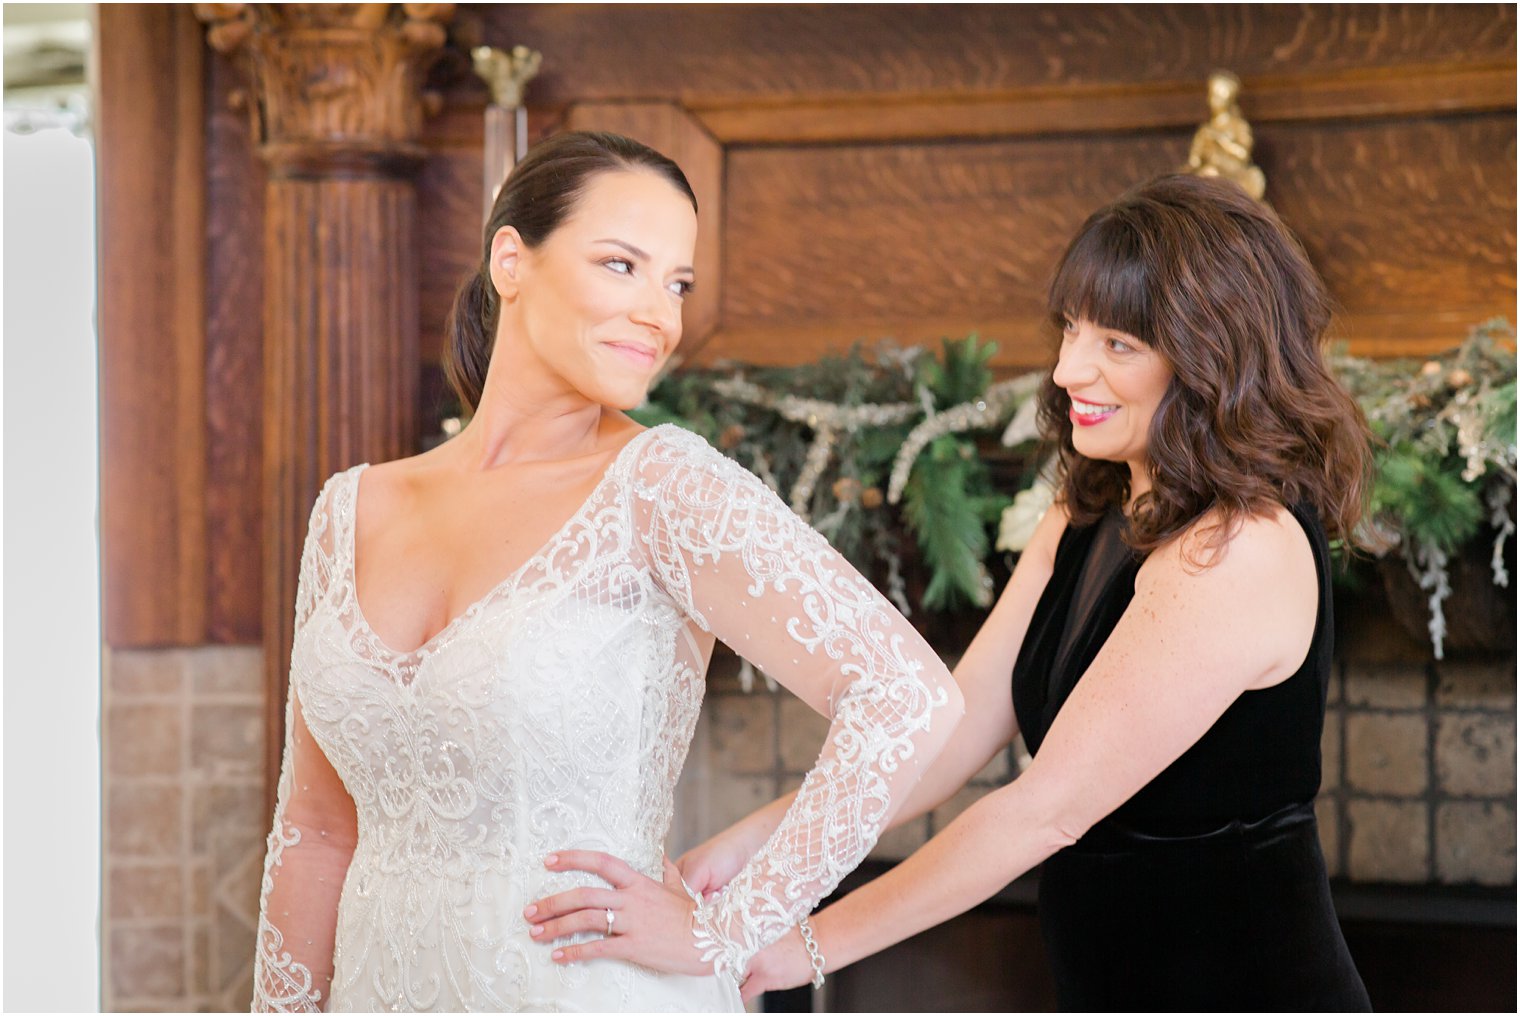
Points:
(622, 266)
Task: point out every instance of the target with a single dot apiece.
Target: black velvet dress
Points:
(1206, 890)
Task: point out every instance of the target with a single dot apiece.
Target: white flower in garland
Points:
(1019, 519)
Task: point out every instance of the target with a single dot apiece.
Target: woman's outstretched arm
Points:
(1191, 641)
(988, 726)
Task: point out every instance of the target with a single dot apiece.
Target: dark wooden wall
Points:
(913, 171)
(151, 164)
(864, 171)
(181, 237)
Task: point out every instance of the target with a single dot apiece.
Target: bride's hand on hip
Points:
(639, 919)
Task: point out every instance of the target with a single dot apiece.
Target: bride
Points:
(447, 728)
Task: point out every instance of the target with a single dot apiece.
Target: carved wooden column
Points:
(336, 100)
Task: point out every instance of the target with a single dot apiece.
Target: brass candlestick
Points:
(506, 135)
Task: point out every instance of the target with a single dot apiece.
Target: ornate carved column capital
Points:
(335, 93)
(336, 89)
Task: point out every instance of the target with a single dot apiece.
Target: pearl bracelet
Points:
(814, 956)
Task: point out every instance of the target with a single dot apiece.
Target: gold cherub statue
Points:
(1222, 146)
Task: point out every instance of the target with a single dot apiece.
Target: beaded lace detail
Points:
(420, 791)
(715, 529)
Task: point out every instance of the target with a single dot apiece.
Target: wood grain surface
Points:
(1411, 223)
(722, 53)
(449, 237)
(1082, 109)
(151, 154)
(234, 366)
(1403, 217)
(340, 372)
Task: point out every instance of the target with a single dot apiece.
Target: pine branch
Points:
(948, 523)
(962, 374)
(1434, 505)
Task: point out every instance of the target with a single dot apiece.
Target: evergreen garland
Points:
(1429, 499)
(826, 437)
(949, 501)
(1445, 455)
(951, 523)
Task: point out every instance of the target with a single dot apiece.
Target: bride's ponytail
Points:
(470, 334)
(537, 196)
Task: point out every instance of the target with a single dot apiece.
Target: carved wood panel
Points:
(913, 171)
(1411, 222)
(827, 245)
(706, 54)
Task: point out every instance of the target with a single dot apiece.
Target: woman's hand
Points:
(651, 921)
(712, 865)
(782, 964)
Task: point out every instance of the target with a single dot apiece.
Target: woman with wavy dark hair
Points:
(1168, 631)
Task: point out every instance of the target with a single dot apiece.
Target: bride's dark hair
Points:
(536, 198)
(1217, 285)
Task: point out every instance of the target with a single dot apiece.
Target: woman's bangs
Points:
(1103, 279)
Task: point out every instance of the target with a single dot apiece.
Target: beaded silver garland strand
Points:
(980, 413)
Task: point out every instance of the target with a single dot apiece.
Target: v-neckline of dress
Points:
(1063, 677)
(441, 636)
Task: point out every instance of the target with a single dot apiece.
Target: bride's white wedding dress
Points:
(421, 790)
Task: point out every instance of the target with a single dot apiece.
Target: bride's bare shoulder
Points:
(386, 490)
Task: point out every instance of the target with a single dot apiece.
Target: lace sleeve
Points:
(312, 838)
(750, 571)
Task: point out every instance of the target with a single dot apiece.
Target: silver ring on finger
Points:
(611, 918)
